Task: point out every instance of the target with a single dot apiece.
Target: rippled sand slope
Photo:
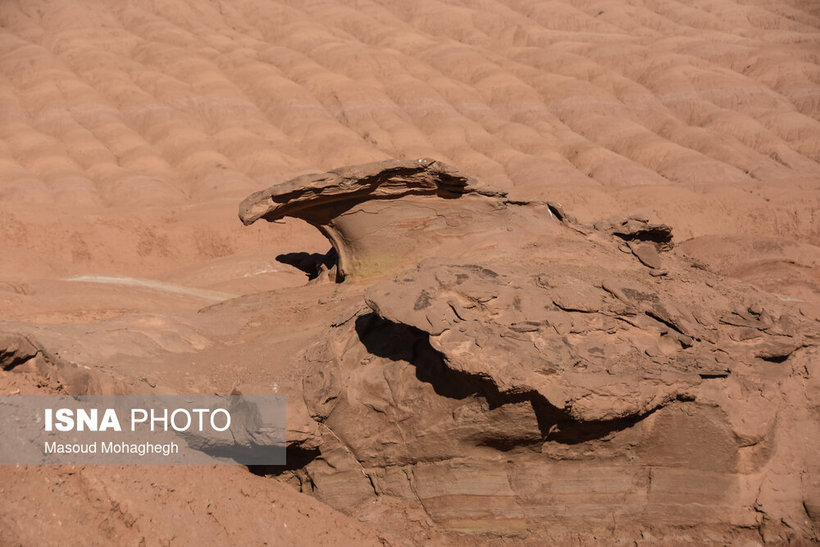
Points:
(129, 131)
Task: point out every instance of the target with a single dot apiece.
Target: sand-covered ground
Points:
(130, 131)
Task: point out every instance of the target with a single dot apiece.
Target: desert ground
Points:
(573, 295)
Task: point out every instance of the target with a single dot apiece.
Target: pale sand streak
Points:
(156, 285)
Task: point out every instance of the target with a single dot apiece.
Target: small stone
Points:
(646, 253)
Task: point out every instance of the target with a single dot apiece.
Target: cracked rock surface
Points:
(558, 376)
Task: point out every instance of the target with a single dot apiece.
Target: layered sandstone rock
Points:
(554, 378)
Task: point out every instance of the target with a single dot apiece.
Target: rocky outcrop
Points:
(521, 404)
(26, 356)
(15, 349)
(553, 377)
(312, 196)
(380, 216)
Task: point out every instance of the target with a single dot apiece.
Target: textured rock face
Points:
(313, 196)
(555, 377)
(15, 349)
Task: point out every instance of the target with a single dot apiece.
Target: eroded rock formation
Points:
(382, 216)
(537, 377)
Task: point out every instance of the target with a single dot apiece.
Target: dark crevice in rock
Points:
(637, 230)
(15, 361)
(296, 456)
(777, 353)
(396, 342)
(313, 264)
(775, 358)
(656, 234)
(657, 317)
(715, 374)
(15, 350)
(557, 211)
(372, 485)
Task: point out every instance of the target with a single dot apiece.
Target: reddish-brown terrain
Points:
(575, 283)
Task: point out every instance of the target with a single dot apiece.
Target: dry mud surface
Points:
(580, 254)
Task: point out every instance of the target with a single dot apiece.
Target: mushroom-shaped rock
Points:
(384, 216)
